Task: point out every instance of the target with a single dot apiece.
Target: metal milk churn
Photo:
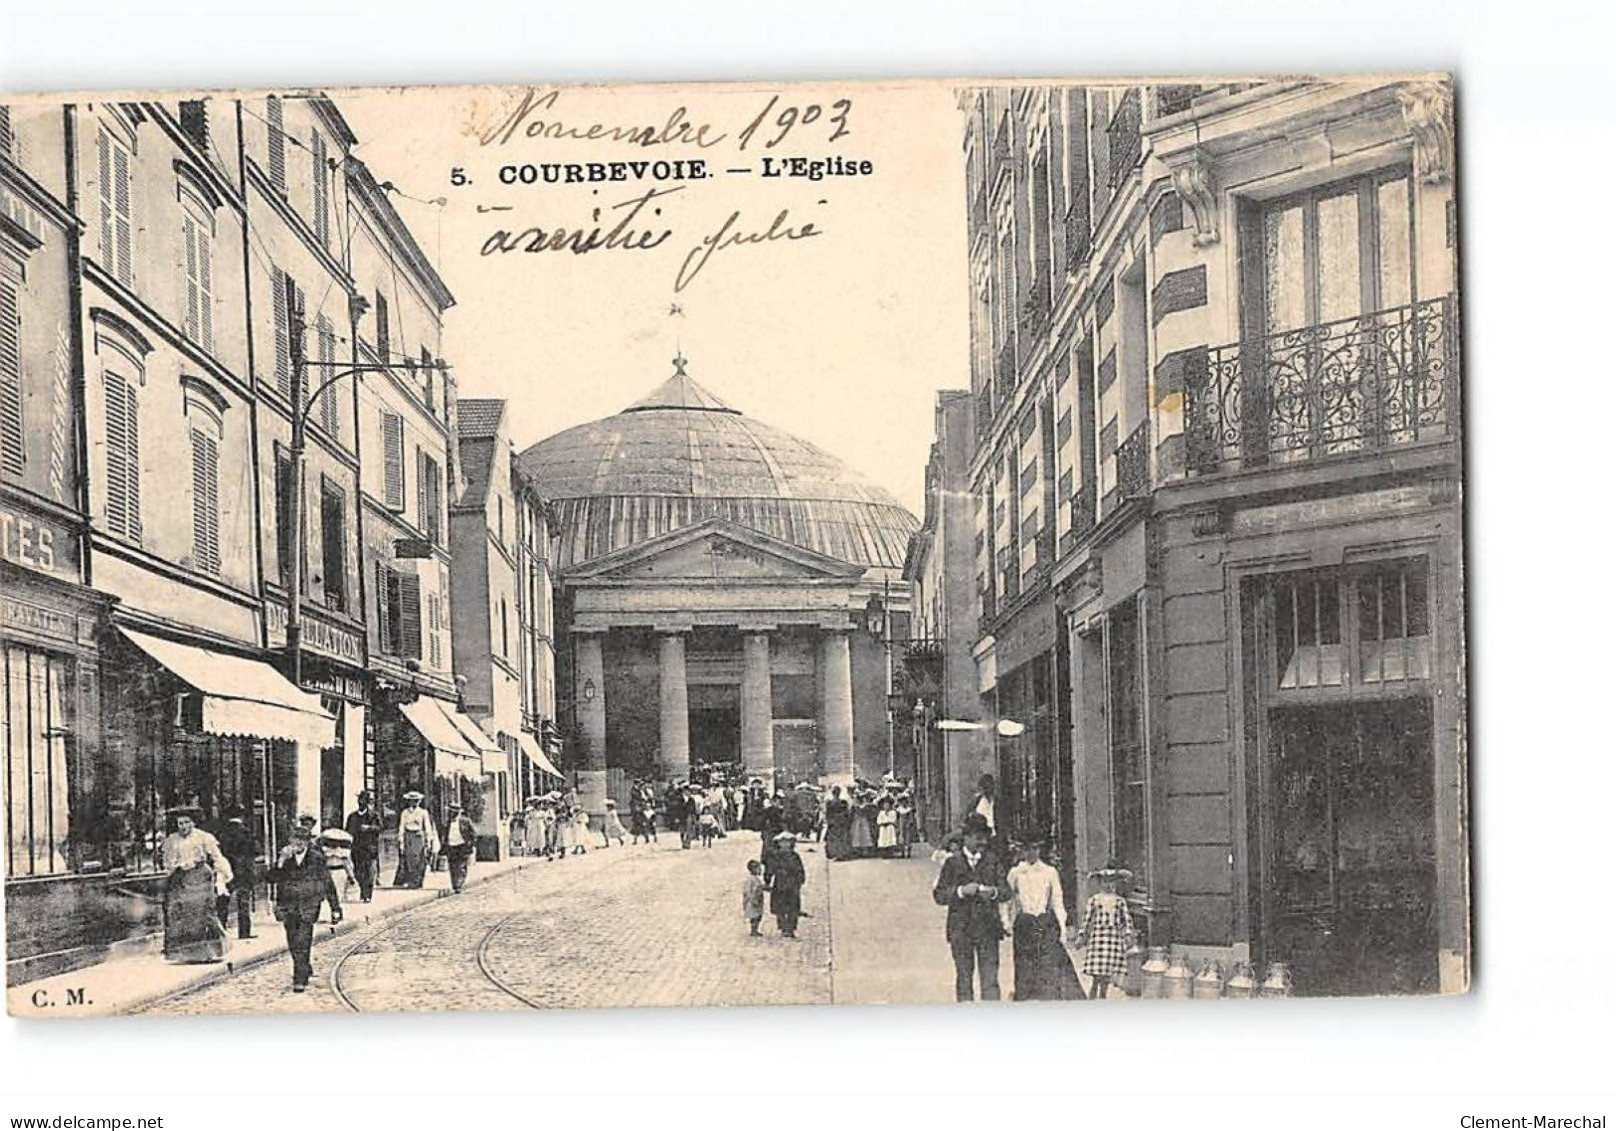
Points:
(1151, 973)
(1243, 982)
(1209, 982)
(1278, 983)
(1133, 976)
(1176, 982)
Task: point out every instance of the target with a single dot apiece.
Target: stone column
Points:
(589, 679)
(675, 705)
(757, 708)
(838, 680)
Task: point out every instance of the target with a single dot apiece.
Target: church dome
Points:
(681, 455)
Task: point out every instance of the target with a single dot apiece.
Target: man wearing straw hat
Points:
(459, 843)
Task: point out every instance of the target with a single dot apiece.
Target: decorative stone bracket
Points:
(1196, 186)
(1428, 112)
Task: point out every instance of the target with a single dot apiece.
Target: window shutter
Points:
(322, 190)
(384, 633)
(103, 154)
(121, 215)
(409, 605)
(283, 336)
(434, 608)
(7, 138)
(12, 449)
(205, 500)
(123, 458)
(193, 283)
(393, 460)
(327, 345)
(277, 143)
(204, 279)
(382, 328)
(422, 499)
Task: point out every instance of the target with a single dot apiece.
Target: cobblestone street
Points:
(637, 926)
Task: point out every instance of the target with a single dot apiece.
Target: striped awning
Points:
(432, 720)
(535, 754)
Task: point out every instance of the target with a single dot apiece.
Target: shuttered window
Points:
(205, 501)
(13, 449)
(198, 282)
(283, 516)
(409, 606)
(123, 458)
(275, 115)
(322, 189)
(326, 346)
(434, 622)
(117, 233)
(8, 140)
(430, 497)
(383, 330)
(398, 612)
(392, 460)
(283, 337)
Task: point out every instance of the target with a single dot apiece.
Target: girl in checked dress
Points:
(1107, 928)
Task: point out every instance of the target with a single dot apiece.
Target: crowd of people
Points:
(870, 819)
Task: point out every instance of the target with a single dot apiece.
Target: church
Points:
(726, 593)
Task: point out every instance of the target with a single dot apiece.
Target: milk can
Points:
(1243, 982)
(1133, 975)
(1176, 982)
(1151, 973)
(1278, 983)
(1209, 982)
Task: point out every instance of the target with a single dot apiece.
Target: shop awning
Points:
(430, 718)
(535, 753)
(242, 696)
(493, 757)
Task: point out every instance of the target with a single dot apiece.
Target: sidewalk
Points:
(121, 985)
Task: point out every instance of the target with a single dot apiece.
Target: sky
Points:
(840, 337)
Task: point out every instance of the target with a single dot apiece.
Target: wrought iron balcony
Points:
(1083, 516)
(1125, 145)
(1004, 372)
(1133, 463)
(1358, 384)
(1078, 236)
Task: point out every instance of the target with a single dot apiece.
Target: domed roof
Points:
(681, 455)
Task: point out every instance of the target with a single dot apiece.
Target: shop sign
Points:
(1029, 633)
(331, 683)
(26, 616)
(319, 636)
(1322, 512)
(33, 542)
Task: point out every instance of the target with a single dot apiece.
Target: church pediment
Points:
(714, 549)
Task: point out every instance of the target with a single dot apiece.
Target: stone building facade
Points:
(1215, 370)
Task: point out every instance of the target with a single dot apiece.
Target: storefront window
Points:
(36, 730)
(1394, 630)
(1127, 738)
(1307, 632)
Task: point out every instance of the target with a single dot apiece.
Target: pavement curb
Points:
(210, 974)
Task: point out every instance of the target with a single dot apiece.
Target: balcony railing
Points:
(1125, 145)
(1358, 384)
(1133, 463)
(1004, 372)
(1078, 235)
(1083, 517)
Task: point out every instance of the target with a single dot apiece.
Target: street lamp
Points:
(297, 458)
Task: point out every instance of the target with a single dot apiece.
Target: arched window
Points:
(198, 203)
(204, 415)
(121, 351)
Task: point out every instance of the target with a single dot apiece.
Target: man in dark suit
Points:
(971, 885)
(236, 842)
(302, 882)
(459, 843)
(364, 824)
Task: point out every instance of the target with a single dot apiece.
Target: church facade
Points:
(726, 594)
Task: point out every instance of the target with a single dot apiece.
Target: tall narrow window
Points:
(504, 629)
(194, 121)
(8, 138)
(429, 497)
(13, 449)
(322, 188)
(434, 619)
(283, 335)
(123, 457)
(409, 615)
(392, 460)
(1126, 692)
(116, 210)
(333, 545)
(383, 341)
(198, 279)
(283, 516)
(326, 347)
(274, 113)
(205, 501)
